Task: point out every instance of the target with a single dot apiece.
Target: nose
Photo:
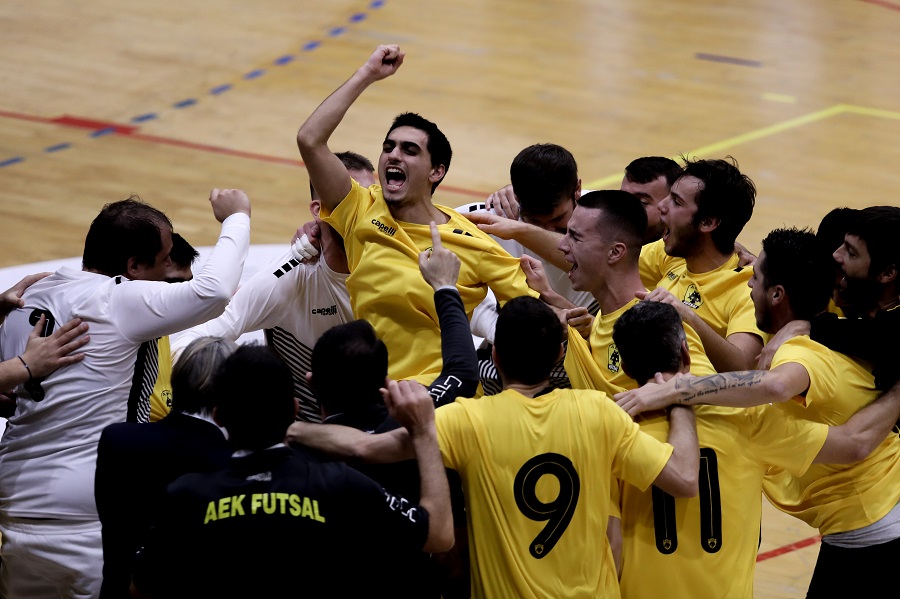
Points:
(663, 205)
(563, 244)
(838, 256)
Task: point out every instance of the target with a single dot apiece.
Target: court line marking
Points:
(788, 548)
(764, 132)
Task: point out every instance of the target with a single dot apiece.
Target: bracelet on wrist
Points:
(25, 364)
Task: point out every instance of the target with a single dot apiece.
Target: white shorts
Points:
(50, 558)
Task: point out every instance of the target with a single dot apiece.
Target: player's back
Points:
(536, 476)
(705, 547)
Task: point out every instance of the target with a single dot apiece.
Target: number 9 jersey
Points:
(536, 474)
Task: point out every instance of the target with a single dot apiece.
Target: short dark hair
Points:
(352, 162)
(194, 373)
(879, 227)
(651, 168)
(834, 227)
(438, 145)
(123, 230)
(624, 216)
(183, 253)
(349, 365)
(527, 340)
(256, 401)
(798, 262)
(649, 336)
(543, 176)
(727, 195)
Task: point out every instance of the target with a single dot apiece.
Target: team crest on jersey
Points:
(692, 297)
(613, 358)
(671, 275)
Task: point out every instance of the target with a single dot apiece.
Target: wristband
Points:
(22, 360)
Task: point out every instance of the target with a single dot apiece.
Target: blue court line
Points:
(217, 89)
(11, 161)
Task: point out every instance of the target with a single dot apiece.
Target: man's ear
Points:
(710, 224)
(314, 208)
(437, 173)
(578, 190)
(888, 275)
(777, 293)
(685, 356)
(132, 268)
(617, 252)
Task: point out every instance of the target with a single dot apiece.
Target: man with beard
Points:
(705, 211)
(855, 507)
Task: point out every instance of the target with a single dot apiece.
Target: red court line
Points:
(788, 548)
(130, 131)
(884, 3)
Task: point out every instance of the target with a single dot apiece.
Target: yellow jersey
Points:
(706, 546)
(844, 497)
(655, 263)
(536, 474)
(596, 364)
(387, 289)
(720, 297)
(161, 397)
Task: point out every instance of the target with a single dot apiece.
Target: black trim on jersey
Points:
(664, 529)
(286, 268)
(146, 371)
(298, 358)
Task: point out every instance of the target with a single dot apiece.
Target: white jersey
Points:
(295, 303)
(484, 318)
(48, 453)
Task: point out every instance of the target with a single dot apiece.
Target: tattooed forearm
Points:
(690, 389)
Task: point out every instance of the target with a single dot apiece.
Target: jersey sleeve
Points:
(700, 364)
(454, 435)
(145, 310)
(780, 439)
(743, 314)
(346, 214)
(258, 304)
(459, 375)
(503, 274)
(800, 350)
(638, 458)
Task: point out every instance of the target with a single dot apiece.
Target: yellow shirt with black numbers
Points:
(387, 289)
(536, 477)
(843, 497)
(161, 398)
(720, 297)
(655, 263)
(596, 364)
(705, 547)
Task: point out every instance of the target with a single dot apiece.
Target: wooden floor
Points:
(168, 99)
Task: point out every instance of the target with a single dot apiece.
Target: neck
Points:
(418, 213)
(889, 299)
(617, 289)
(707, 258)
(526, 390)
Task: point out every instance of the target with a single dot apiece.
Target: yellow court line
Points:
(877, 112)
(755, 135)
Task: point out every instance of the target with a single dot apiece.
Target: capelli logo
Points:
(384, 228)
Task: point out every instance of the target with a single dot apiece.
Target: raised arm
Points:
(738, 351)
(735, 389)
(326, 172)
(459, 374)
(146, 310)
(863, 432)
(410, 404)
(540, 241)
(679, 477)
